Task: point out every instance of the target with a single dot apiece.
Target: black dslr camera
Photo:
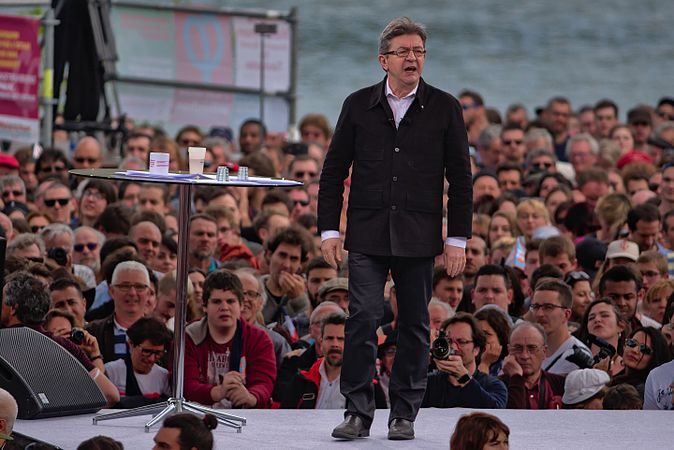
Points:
(77, 336)
(440, 349)
(580, 357)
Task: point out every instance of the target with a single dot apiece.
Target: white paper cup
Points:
(196, 156)
(159, 162)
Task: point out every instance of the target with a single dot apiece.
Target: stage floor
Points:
(305, 429)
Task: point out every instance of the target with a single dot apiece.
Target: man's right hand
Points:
(332, 251)
(511, 367)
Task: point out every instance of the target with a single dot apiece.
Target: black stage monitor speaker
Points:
(43, 377)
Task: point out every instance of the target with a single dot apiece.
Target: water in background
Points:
(508, 50)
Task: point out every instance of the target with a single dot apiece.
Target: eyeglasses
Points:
(402, 52)
(459, 342)
(188, 142)
(512, 141)
(576, 276)
(643, 348)
(641, 124)
(301, 202)
(467, 106)
(547, 307)
(93, 194)
(302, 173)
(544, 165)
(50, 169)
(81, 160)
(149, 352)
(252, 294)
(140, 288)
(79, 248)
(36, 228)
(664, 115)
(61, 201)
(519, 349)
(6, 194)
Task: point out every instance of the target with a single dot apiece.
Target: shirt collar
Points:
(389, 92)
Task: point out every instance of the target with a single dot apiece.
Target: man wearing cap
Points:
(336, 291)
(585, 388)
(400, 140)
(9, 165)
(621, 252)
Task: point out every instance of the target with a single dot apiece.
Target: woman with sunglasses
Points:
(603, 320)
(579, 282)
(644, 350)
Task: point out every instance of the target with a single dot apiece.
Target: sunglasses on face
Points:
(643, 348)
(79, 248)
(302, 173)
(6, 194)
(36, 228)
(61, 201)
(50, 169)
(81, 160)
(301, 202)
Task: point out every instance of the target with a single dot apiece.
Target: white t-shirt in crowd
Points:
(658, 388)
(561, 366)
(153, 384)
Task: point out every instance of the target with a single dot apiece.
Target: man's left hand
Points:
(453, 365)
(455, 260)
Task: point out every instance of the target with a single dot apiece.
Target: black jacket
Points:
(395, 201)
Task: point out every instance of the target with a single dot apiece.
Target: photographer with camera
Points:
(457, 382)
(59, 239)
(63, 323)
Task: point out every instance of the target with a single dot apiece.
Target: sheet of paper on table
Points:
(207, 178)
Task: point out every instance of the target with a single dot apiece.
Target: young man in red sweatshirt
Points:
(228, 363)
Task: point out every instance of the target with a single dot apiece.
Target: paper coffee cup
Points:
(196, 156)
(159, 162)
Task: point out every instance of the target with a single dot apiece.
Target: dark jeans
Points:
(413, 284)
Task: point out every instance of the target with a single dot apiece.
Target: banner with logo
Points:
(221, 50)
(19, 78)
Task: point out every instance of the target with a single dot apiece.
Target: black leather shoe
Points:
(353, 427)
(401, 430)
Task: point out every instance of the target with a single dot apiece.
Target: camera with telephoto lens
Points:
(77, 336)
(585, 361)
(59, 255)
(440, 349)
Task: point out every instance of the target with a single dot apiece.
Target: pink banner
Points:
(19, 67)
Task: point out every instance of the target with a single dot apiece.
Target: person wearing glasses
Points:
(551, 308)
(303, 168)
(529, 386)
(59, 241)
(129, 288)
(55, 199)
(13, 189)
(96, 196)
(52, 163)
(512, 139)
(644, 350)
(457, 383)
(88, 154)
(401, 138)
(299, 198)
(138, 377)
(87, 249)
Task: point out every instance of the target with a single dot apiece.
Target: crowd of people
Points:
(565, 301)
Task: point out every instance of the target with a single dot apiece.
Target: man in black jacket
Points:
(401, 138)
